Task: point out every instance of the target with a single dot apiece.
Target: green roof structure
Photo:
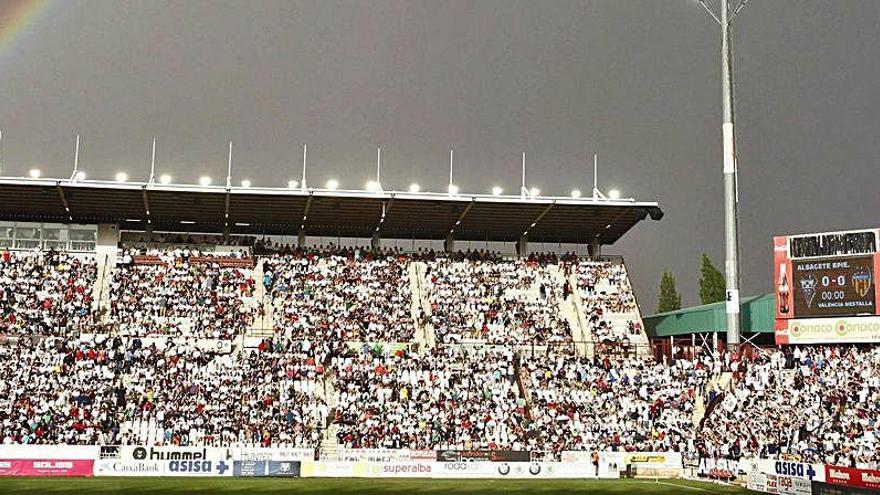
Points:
(758, 314)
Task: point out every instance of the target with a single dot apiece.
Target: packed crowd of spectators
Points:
(119, 391)
(340, 295)
(605, 290)
(498, 302)
(625, 404)
(446, 398)
(45, 292)
(180, 292)
(818, 404)
(266, 396)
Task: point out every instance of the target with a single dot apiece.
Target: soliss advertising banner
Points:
(46, 467)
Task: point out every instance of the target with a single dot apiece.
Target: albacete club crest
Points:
(808, 288)
(862, 281)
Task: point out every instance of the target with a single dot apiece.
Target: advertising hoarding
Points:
(46, 467)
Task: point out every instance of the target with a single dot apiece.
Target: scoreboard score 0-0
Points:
(833, 287)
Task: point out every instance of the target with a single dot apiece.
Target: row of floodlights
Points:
(331, 185)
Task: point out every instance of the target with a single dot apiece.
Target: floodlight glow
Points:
(534, 192)
(291, 184)
(80, 176)
(34, 173)
(245, 183)
(165, 179)
(373, 186)
(453, 189)
(496, 191)
(575, 193)
(414, 188)
(332, 184)
(121, 177)
(205, 180)
(613, 194)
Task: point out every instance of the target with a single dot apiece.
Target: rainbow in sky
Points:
(17, 18)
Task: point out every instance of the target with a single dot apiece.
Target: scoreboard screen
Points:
(839, 286)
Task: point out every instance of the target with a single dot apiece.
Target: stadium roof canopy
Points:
(758, 314)
(320, 212)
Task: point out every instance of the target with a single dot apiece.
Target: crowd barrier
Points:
(768, 476)
(453, 469)
(786, 477)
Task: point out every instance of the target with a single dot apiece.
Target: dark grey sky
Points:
(636, 81)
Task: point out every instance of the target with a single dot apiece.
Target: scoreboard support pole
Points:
(731, 221)
(731, 194)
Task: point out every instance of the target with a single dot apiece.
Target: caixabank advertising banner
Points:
(117, 467)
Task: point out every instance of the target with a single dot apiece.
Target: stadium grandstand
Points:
(142, 322)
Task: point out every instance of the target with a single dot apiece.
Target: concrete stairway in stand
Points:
(264, 324)
(329, 443)
(582, 332)
(417, 272)
(568, 309)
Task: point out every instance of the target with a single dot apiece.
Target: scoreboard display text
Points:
(837, 286)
